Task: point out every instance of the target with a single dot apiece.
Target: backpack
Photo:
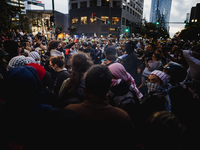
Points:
(122, 101)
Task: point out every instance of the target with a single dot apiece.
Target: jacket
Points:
(104, 125)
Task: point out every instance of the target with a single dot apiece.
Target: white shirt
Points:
(194, 64)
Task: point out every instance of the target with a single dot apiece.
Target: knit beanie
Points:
(34, 55)
(43, 75)
(17, 61)
(163, 76)
(40, 70)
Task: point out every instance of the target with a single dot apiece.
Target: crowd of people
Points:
(134, 93)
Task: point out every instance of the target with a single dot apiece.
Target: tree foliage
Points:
(151, 30)
(7, 12)
(72, 29)
(191, 32)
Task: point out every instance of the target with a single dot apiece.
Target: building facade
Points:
(33, 5)
(17, 3)
(160, 12)
(195, 13)
(110, 14)
(41, 21)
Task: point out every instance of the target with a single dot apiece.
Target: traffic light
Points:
(107, 21)
(127, 30)
(186, 24)
(46, 23)
(93, 16)
(52, 19)
(157, 23)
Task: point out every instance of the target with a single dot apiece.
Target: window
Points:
(83, 4)
(104, 18)
(93, 3)
(93, 20)
(124, 6)
(74, 5)
(75, 20)
(84, 20)
(115, 20)
(116, 4)
(123, 21)
(127, 9)
(105, 3)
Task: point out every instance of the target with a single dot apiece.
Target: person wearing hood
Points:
(26, 122)
(35, 55)
(130, 62)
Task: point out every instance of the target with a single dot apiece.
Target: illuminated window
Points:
(115, 20)
(93, 20)
(104, 18)
(75, 20)
(84, 20)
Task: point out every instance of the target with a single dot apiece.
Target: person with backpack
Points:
(123, 92)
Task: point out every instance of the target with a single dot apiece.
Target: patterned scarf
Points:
(120, 73)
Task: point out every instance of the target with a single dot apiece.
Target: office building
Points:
(160, 12)
(41, 19)
(195, 13)
(187, 17)
(17, 3)
(109, 15)
(34, 5)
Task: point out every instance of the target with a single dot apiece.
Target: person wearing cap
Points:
(3, 62)
(111, 56)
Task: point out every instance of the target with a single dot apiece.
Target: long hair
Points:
(80, 63)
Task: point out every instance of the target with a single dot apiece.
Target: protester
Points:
(73, 89)
(17, 61)
(101, 120)
(130, 61)
(162, 131)
(123, 92)
(91, 96)
(3, 62)
(58, 65)
(27, 123)
(111, 56)
(193, 59)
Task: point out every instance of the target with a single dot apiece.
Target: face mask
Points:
(152, 87)
(60, 49)
(38, 62)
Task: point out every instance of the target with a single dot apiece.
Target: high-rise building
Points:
(118, 13)
(160, 12)
(195, 13)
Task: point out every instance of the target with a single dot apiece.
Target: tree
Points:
(7, 12)
(191, 32)
(72, 29)
(151, 30)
